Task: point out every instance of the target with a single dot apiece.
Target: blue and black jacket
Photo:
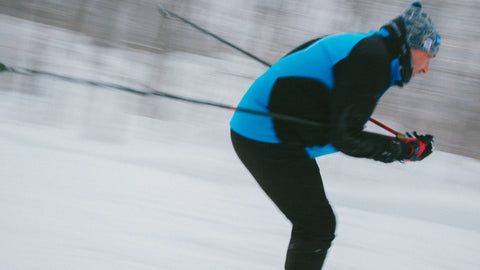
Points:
(336, 81)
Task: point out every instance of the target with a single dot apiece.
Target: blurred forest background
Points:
(129, 42)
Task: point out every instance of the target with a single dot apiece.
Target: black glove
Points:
(421, 146)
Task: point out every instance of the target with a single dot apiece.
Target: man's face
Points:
(420, 61)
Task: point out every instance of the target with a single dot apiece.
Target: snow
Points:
(87, 182)
(72, 203)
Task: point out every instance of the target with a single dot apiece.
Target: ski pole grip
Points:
(401, 137)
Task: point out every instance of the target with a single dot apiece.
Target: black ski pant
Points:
(292, 181)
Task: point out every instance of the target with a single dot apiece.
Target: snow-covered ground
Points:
(71, 203)
(88, 182)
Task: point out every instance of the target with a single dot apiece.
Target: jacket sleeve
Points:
(361, 79)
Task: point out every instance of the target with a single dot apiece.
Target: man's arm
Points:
(361, 79)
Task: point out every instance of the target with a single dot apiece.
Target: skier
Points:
(336, 81)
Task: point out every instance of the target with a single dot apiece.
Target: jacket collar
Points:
(394, 35)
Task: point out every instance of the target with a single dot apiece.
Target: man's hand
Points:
(421, 146)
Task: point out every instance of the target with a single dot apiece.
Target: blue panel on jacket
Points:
(314, 62)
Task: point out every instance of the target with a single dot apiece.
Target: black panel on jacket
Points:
(304, 98)
(360, 80)
(304, 45)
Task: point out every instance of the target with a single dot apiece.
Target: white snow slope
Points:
(90, 186)
(72, 203)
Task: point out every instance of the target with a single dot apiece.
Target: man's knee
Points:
(317, 233)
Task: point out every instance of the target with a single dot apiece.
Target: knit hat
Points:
(420, 30)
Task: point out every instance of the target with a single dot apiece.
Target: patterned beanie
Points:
(420, 30)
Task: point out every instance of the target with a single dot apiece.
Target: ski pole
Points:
(33, 72)
(167, 13)
(399, 136)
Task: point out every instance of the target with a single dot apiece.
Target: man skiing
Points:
(335, 81)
